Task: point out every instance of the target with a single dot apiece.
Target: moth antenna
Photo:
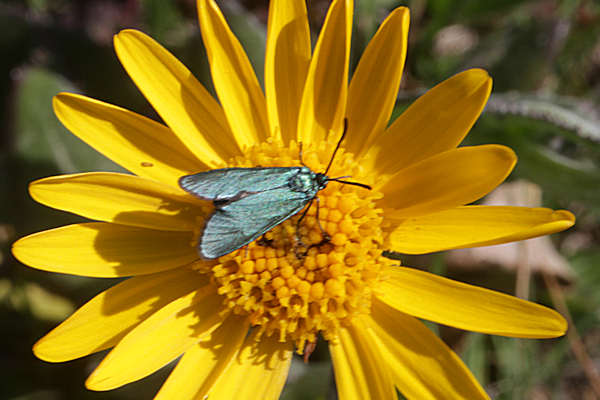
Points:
(362, 185)
(338, 145)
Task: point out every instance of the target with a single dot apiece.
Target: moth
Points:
(250, 201)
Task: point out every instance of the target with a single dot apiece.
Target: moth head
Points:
(322, 180)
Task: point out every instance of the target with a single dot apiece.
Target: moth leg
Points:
(326, 237)
(263, 241)
(300, 255)
(300, 220)
(299, 242)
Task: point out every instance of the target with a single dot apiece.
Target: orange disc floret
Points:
(301, 281)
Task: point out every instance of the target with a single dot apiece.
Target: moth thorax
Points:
(305, 181)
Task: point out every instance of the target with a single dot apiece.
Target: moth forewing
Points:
(241, 222)
(226, 183)
(248, 202)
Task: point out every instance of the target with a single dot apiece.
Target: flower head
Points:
(237, 319)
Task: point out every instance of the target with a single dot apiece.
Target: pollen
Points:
(308, 277)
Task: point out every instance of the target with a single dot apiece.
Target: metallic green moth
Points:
(250, 201)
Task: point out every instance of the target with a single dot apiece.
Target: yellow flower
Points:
(238, 319)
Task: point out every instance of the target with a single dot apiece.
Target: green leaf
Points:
(475, 356)
(164, 21)
(585, 300)
(251, 34)
(40, 137)
(45, 305)
(566, 113)
(367, 18)
(308, 381)
(516, 362)
(37, 5)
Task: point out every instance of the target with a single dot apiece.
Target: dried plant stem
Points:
(573, 337)
(529, 195)
(523, 272)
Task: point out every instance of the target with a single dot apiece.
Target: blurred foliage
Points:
(544, 56)
(40, 137)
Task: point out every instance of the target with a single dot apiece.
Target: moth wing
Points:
(244, 220)
(226, 183)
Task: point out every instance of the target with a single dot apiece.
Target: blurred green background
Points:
(544, 56)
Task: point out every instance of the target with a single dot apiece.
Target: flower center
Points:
(296, 282)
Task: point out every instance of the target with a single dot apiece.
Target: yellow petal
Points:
(473, 226)
(358, 366)
(105, 250)
(435, 122)
(286, 64)
(235, 81)
(181, 101)
(324, 97)
(204, 362)
(258, 371)
(120, 198)
(468, 307)
(447, 180)
(421, 365)
(137, 143)
(108, 317)
(374, 85)
(159, 339)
